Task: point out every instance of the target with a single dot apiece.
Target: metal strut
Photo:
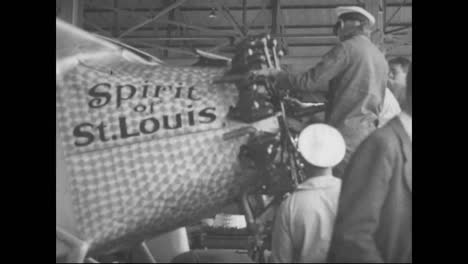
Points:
(79, 248)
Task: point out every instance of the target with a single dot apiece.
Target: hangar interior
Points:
(171, 30)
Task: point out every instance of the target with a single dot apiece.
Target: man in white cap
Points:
(303, 224)
(352, 77)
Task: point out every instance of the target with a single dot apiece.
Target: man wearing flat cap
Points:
(352, 77)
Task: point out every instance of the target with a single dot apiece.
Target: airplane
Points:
(144, 147)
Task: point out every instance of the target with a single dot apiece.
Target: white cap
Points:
(322, 145)
(355, 9)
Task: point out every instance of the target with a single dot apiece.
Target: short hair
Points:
(402, 61)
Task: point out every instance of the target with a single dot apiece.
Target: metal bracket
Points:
(79, 248)
(145, 253)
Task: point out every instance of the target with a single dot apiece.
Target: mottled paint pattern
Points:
(135, 188)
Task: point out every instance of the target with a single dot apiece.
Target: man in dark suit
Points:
(374, 221)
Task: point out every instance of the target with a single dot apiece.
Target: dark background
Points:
(28, 168)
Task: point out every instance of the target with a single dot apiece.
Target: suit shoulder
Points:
(383, 137)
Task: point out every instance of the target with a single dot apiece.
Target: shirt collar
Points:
(317, 182)
(407, 122)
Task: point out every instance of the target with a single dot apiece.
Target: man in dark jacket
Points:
(352, 77)
(374, 221)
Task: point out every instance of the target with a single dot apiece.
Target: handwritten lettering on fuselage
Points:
(143, 100)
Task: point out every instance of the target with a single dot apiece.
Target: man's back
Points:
(358, 92)
(304, 221)
(352, 76)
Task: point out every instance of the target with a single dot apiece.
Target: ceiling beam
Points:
(259, 13)
(239, 8)
(115, 28)
(171, 17)
(284, 20)
(323, 37)
(77, 18)
(398, 29)
(155, 32)
(200, 28)
(375, 7)
(222, 45)
(275, 16)
(216, 29)
(396, 11)
(139, 43)
(165, 21)
(384, 15)
(99, 29)
(160, 14)
(228, 16)
(244, 17)
(71, 11)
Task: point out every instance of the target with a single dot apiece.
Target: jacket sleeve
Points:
(317, 78)
(282, 248)
(364, 189)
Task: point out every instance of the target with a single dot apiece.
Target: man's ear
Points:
(338, 26)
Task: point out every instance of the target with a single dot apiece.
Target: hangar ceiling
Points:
(171, 29)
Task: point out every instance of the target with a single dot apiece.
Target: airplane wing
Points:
(207, 59)
(74, 45)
